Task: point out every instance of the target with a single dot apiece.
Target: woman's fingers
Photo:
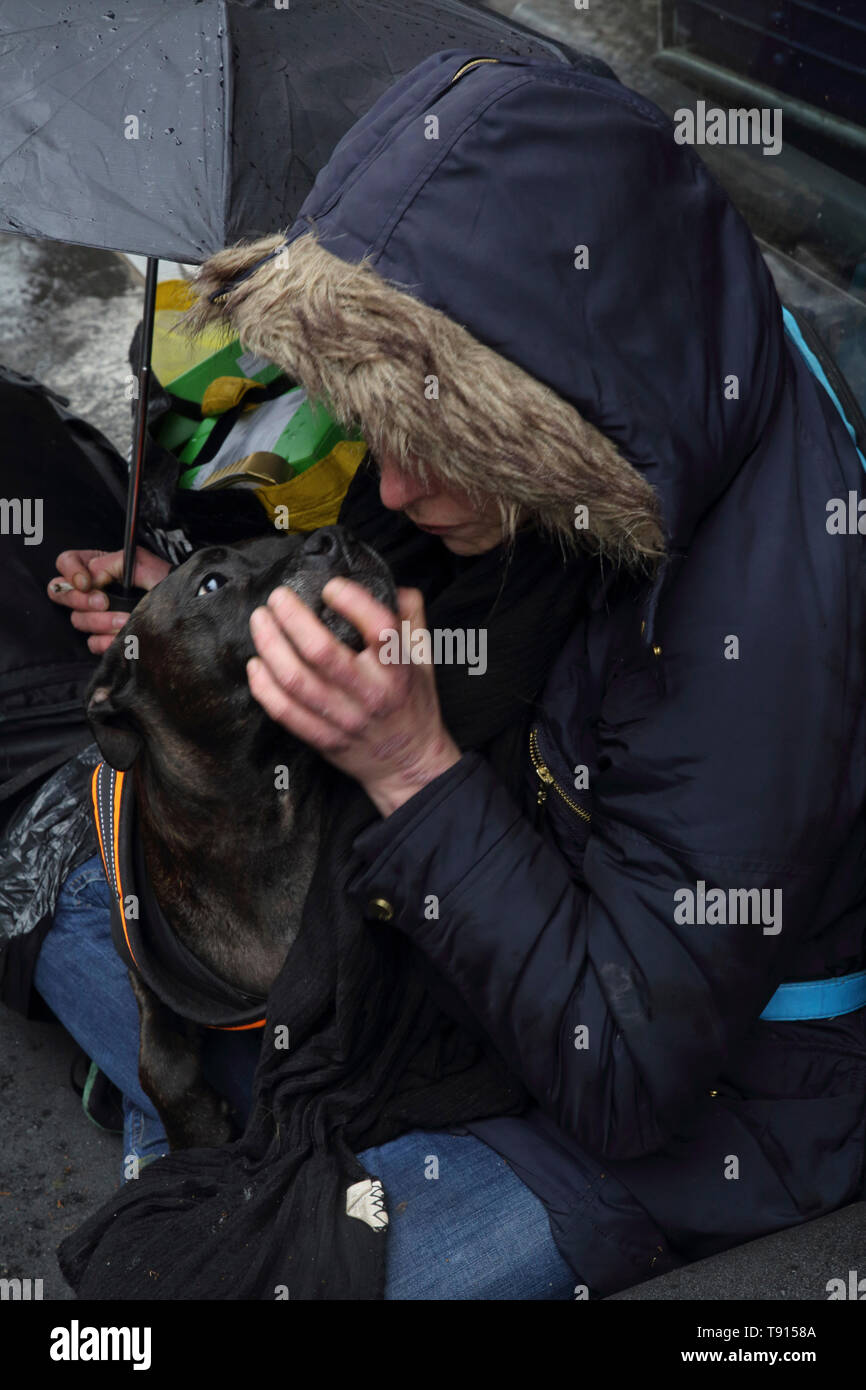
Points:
(285, 710)
(103, 628)
(410, 604)
(365, 612)
(101, 623)
(363, 681)
(313, 670)
(98, 645)
(299, 683)
(147, 570)
(73, 570)
(95, 601)
(73, 589)
(309, 636)
(106, 568)
(82, 574)
(378, 722)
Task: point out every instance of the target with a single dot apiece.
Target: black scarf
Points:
(374, 1046)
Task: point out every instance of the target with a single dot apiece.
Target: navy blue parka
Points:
(719, 710)
(704, 727)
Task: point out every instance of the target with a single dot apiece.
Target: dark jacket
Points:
(717, 706)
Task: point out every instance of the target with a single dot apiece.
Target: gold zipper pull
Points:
(547, 779)
(473, 63)
(545, 776)
(541, 798)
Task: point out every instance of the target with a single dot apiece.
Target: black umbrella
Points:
(171, 128)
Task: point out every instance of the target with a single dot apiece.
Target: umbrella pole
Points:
(140, 429)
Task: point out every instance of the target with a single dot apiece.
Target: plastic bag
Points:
(47, 838)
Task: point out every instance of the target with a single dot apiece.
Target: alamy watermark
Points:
(852, 1288)
(22, 516)
(846, 516)
(729, 907)
(737, 126)
(77, 1343)
(446, 646)
(20, 1290)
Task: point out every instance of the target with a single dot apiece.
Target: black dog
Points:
(226, 801)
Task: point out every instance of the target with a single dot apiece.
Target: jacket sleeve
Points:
(614, 1014)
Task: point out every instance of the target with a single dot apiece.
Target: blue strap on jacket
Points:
(845, 993)
(817, 999)
(792, 328)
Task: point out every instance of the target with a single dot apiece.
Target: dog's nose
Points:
(325, 545)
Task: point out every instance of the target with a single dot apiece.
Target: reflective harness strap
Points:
(106, 789)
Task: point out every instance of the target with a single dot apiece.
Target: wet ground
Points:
(68, 314)
(56, 1167)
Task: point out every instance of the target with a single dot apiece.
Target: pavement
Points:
(69, 313)
(795, 1264)
(68, 317)
(55, 1167)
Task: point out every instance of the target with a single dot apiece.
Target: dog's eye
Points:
(210, 584)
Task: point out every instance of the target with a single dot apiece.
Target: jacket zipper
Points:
(547, 780)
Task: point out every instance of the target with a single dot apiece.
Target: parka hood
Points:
(510, 275)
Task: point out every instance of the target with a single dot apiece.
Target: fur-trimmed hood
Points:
(541, 304)
(427, 394)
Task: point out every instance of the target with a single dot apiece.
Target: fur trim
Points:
(368, 348)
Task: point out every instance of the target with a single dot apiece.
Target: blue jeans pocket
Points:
(86, 886)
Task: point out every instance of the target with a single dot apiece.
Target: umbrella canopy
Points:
(171, 128)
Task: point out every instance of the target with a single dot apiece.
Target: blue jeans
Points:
(474, 1231)
(462, 1227)
(83, 980)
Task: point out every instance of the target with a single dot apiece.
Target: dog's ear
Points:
(109, 712)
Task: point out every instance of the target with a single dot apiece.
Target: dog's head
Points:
(176, 672)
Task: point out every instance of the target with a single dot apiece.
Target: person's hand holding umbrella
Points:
(78, 585)
(106, 142)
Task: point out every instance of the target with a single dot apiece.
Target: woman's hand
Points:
(380, 724)
(83, 573)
